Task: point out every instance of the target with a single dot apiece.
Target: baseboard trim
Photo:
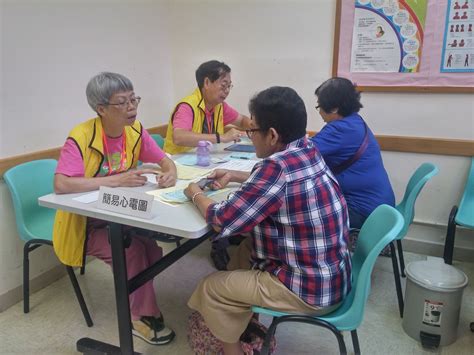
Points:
(41, 281)
(410, 244)
(436, 249)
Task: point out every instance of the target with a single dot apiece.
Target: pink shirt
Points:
(183, 117)
(70, 160)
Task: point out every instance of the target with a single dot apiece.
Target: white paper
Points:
(239, 164)
(151, 178)
(88, 198)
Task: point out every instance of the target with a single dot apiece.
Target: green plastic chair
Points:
(462, 216)
(158, 236)
(158, 139)
(381, 228)
(27, 182)
(407, 208)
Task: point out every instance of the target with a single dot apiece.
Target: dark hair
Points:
(281, 108)
(212, 69)
(340, 94)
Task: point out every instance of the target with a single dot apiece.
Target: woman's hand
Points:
(166, 179)
(132, 178)
(231, 135)
(169, 174)
(221, 178)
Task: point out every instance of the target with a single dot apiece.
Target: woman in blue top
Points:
(351, 150)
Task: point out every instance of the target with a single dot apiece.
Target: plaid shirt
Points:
(294, 209)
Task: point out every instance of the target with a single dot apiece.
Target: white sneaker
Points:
(152, 330)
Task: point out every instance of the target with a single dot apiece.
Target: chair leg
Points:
(83, 269)
(26, 278)
(400, 257)
(302, 319)
(265, 350)
(29, 246)
(340, 341)
(450, 234)
(396, 275)
(79, 296)
(355, 342)
(178, 242)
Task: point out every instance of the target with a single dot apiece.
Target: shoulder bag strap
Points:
(345, 164)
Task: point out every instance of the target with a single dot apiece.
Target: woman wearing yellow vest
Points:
(103, 152)
(204, 114)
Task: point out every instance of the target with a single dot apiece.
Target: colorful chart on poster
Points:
(388, 35)
(458, 44)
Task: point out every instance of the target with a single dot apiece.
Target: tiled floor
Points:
(55, 321)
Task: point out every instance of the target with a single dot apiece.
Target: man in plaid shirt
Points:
(296, 257)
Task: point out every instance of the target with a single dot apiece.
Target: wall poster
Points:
(388, 35)
(405, 45)
(458, 45)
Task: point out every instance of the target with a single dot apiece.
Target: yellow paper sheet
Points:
(190, 172)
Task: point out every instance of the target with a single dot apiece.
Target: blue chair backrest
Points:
(407, 206)
(26, 183)
(380, 228)
(465, 215)
(158, 139)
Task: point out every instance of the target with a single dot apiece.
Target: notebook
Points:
(241, 148)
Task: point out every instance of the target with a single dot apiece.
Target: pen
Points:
(245, 158)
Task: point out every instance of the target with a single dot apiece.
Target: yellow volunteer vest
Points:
(69, 231)
(196, 102)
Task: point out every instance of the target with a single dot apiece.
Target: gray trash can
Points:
(433, 297)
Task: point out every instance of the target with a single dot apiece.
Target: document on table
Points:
(186, 160)
(190, 160)
(239, 164)
(185, 171)
(88, 198)
(190, 172)
(176, 194)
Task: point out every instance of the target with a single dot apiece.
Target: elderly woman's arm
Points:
(185, 138)
(65, 184)
(169, 173)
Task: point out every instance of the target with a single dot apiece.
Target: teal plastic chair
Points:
(158, 139)
(162, 237)
(462, 216)
(407, 208)
(27, 182)
(381, 228)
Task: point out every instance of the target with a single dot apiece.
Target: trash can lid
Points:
(435, 275)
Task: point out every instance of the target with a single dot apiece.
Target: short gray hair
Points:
(102, 86)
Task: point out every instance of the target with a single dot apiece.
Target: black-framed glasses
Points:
(124, 104)
(250, 131)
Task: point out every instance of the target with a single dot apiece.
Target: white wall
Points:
(51, 48)
(2, 30)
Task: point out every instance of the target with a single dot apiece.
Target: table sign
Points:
(131, 203)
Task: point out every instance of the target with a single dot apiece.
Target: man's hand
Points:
(192, 189)
(221, 178)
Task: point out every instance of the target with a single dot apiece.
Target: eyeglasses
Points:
(124, 104)
(225, 87)
(317, 108)
(250, 131)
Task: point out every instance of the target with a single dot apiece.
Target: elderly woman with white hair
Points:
(103, 151)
